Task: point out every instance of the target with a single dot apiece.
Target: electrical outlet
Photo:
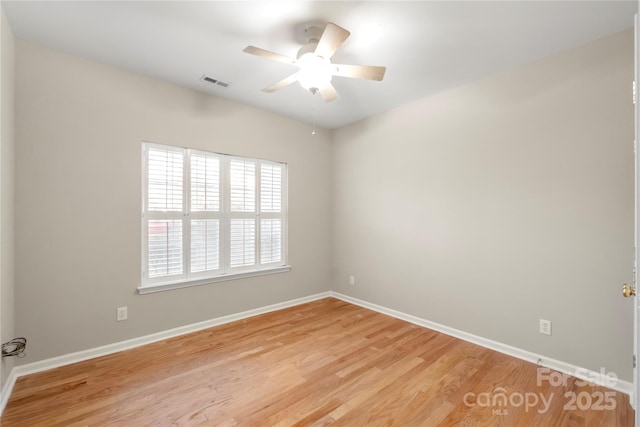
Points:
(121, 314)
(352, 280)
(545, 327)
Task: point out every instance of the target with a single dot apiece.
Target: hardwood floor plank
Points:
(324, 363)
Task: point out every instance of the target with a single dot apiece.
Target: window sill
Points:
(187, 284)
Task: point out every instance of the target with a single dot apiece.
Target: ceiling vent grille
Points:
(213, 81)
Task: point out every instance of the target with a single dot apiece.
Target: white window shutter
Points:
(270, 241)
(205, 245)
(242, 175)
(205, 183)
(209, 215)
(164, 248)
(270, 187)
(243, 238)
(164, 180)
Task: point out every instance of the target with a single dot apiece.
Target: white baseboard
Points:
(567, 368)
(7, 388)
(79, 356)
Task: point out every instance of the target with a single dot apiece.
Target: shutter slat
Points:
(165, 248)
(243, 185)
(205, 183)
(243, 238)
(270, 187)
(205, 245)
(270, 241)
(164, 178)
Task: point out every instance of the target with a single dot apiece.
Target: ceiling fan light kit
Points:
(314, 62)
(315, 72)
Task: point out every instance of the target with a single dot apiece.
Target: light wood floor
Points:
(322, 363)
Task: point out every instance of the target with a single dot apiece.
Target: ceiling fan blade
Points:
(328, 93)
(268, 54)
(282, 83)
(332, 38)
(369, 72)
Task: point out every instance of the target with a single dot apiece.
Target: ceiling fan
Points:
(314, 61)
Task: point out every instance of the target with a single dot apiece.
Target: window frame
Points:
(224, 215)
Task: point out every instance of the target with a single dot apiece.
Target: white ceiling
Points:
(427, 46)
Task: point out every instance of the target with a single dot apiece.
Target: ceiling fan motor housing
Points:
(313, 35)
(307, 48)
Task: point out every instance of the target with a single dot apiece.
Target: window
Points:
(209, 217)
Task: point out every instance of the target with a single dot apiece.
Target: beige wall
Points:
(79, 128)
(490, 206)
(6, 192)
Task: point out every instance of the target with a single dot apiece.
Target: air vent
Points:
(213, 81)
